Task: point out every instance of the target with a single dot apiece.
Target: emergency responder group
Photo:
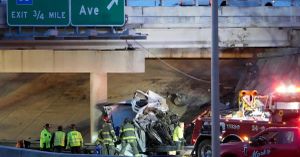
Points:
(107, 138)
(59, 140)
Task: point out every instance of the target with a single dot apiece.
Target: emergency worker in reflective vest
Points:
(178, 137)
(74, 140)
(45, 138)
(107, 139)
(127, 136)
(59, 139)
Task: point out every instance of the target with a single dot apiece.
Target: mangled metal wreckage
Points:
(150, 114)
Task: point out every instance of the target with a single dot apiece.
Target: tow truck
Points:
(272, 142)
(278, 109)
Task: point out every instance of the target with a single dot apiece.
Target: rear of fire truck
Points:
(256, 113)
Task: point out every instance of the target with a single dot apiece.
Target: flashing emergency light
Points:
(287, 89)
(246, 138)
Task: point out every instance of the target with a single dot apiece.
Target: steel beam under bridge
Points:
(174, 38)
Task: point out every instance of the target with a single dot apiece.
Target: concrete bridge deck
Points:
(186, 27)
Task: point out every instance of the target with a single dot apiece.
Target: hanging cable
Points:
(172, 67)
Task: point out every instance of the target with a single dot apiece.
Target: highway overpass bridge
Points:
(172, 32)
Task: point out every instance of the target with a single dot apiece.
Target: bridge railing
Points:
(166, 3)
(200, 17)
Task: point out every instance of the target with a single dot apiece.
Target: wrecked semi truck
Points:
(150, 114)
(279, 109)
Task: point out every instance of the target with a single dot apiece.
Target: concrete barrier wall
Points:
(20, 152)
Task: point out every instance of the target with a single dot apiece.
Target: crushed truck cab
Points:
(151, 117)
(272, 142)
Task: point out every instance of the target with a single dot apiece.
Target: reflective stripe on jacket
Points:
(59, 138)
(45, 138)
(128, 132)
(107, 134)
(74, 139)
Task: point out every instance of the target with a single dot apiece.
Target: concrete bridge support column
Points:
(98, 94)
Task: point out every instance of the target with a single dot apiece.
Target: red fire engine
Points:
(256, 113)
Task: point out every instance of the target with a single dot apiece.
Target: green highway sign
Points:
(97, 12)
(38, 12)
(64, 12)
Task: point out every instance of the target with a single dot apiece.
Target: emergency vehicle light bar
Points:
(288, 89)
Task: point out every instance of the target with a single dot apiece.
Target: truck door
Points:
(284, 143)
(273, 144)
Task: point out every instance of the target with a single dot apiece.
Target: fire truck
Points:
(256, 113)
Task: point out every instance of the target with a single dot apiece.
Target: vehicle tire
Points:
(269, 4)
(234, 140)
(177, 99)
(204, 148)
(231, 139)
(154, 136)
(229, 155)
(223, 4)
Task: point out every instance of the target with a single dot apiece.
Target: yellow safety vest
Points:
(59, 138)
(45, 138)
(177, 134)
(74, 139)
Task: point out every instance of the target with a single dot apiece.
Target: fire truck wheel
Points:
(204, 148)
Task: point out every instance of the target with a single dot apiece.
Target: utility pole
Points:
(215, 80)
